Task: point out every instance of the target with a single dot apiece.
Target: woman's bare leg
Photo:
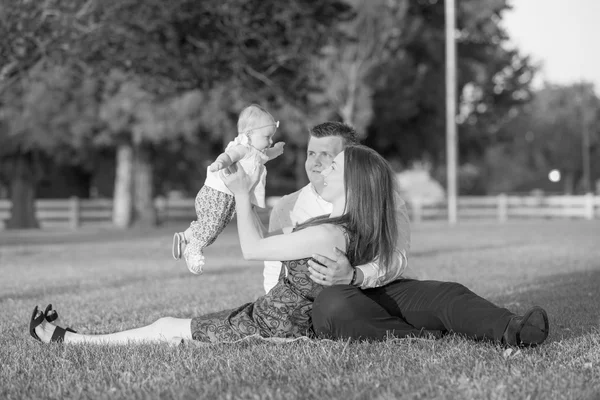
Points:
(165, 330)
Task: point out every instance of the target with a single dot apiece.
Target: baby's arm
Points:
(229, 157)
(275, 151)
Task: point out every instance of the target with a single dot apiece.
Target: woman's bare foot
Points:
(45, 330)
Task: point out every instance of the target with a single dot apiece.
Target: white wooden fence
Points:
(74, 212)
(503, 207)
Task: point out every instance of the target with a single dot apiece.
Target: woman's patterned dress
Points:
(283, 312)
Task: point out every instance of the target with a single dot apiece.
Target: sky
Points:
(564, 35)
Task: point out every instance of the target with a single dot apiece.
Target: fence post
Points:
(502, 207)
(417, 208)
(74, 214)
(588, 212)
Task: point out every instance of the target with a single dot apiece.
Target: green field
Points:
(103, 281)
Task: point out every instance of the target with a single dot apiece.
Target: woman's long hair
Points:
(370, 211)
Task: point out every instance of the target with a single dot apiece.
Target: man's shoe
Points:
(529, 330)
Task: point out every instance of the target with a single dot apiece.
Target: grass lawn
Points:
(104, 281)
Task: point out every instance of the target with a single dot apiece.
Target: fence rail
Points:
(503, 207)
(74, 212)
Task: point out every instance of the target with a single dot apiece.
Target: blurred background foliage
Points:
(133, 98)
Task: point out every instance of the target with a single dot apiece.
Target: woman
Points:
(360, 185)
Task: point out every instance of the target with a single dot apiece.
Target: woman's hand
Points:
(237, 180)
(216, 166)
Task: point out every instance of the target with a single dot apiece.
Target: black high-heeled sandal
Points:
(36, 320)
(51, 316)
(37, 317)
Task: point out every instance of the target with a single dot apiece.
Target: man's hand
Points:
(332, 272)
(237, 180)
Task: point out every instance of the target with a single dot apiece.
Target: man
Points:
(326, 141)
(373, 301)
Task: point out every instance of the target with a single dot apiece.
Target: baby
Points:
(215, 204)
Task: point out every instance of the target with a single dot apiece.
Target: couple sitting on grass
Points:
(344, 274)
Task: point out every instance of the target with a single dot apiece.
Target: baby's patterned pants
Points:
(215, 211)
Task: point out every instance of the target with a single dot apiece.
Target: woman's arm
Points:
(317, 239)
(301, 244)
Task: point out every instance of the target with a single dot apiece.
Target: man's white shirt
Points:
(304, 204)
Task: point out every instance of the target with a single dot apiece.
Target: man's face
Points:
(319, 155)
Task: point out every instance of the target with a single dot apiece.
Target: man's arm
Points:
(273, 268)
(375, 275)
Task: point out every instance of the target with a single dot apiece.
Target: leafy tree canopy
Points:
(409, 99)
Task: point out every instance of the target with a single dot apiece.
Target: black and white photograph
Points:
(332, 199)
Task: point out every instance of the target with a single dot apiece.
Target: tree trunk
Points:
(123, 194)
(143, 183)
(347, 106)
(22, 194)
(299, 169)
(569, 182)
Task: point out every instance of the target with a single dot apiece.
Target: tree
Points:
(32, 33)
(50, 114)
(253, 47)
(543, 135)
(555, 125)
(409, 96)
(136, 122)
(165, 49)
(47, 100)
(346, 69)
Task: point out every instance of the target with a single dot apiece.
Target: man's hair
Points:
(337, 129)
(249, 116)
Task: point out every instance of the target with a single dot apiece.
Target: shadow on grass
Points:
(118, 283)
(44, 237)
(456, 249)
(571, 301)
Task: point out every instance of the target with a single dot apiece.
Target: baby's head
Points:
(258, 125)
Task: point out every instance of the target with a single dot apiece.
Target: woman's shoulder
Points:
(322, 238)
(334, 235)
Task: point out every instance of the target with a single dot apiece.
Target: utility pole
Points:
(451, 139)
(585, 141)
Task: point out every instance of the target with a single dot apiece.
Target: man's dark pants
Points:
(406, 308)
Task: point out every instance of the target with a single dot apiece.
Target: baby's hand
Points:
(278, 148)
(216, 166)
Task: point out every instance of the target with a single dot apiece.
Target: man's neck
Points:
(315, 190)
